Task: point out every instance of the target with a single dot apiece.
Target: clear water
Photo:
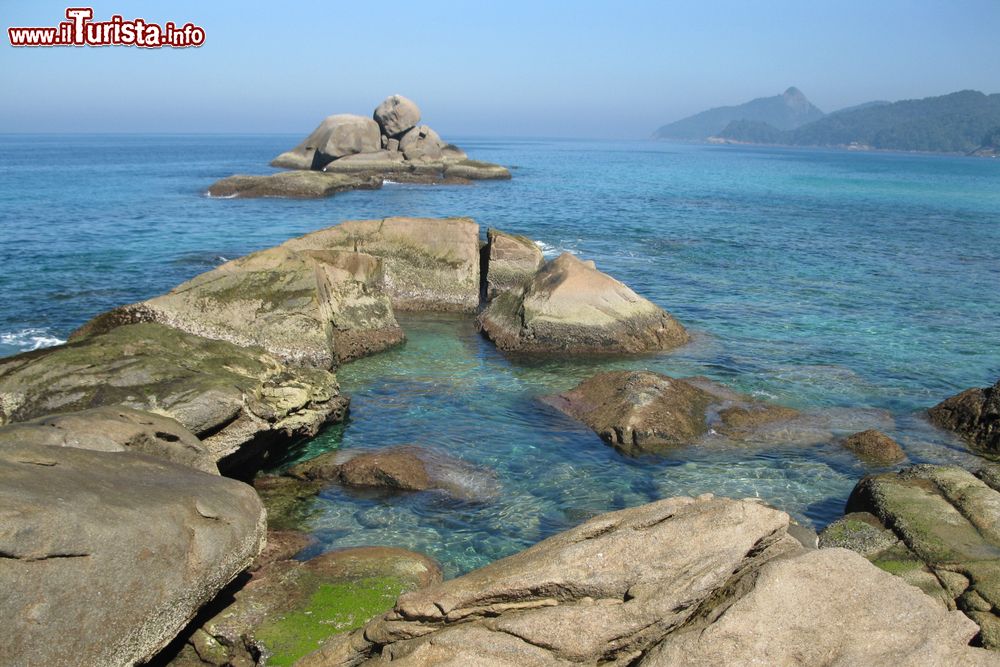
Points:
(860, 288)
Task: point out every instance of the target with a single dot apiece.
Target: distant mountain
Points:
(949, 123)
(783, 112)
(990, 144)
(864, 105)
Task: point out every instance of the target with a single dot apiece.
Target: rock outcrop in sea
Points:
(347, 152)
(570, 307)
(973, 414)
(706, 581)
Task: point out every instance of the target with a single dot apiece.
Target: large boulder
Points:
(649, 586)
(571, 307)
(106, 556)
(293, 185)
(239, 401)
(337, 136)
(422, 144)
(396, 114)
(289, 607)
(974, 414)
(511, 260)
(430, 263)
(639, 412)
(946, 522)
(114, 429)
(317, 308)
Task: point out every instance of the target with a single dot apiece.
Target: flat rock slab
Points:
(570, 307)
(431, 264)
(315, 308)
(239, 401)
(114, 429)
(293, 184)
(646, 585)
(947, 522)
(105, 556)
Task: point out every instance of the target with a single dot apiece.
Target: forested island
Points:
(967, 121)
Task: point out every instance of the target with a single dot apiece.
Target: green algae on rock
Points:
(947, 522)
(311, 307)
(239, 401)
(289, 607)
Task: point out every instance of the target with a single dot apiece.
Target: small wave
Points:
(386, 181)
(30, 339)
(211, 196)
(551, 250)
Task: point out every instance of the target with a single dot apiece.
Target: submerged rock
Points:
(106, 556)
(430, 264)
(400, 468)
(512, 262)
(677, 582)
(974, 414)
(571, 307)
(337, 136)
(114, 429)
(948, 527)
(239, 401)
(293, 184)
(641, 412)
(316, 307)
(289, 607)
(876, 447)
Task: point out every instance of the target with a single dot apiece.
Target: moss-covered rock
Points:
(238, 401)
(570, 307)
(948, 524)
(289, 607)
(875, 447)
(315, 308)
(293, 184)
(430, 264)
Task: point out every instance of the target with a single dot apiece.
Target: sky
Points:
(614, 70)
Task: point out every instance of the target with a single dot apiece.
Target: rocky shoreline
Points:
(348, 152)
(112, 445)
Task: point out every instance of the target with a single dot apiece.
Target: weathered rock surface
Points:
(239, 401)
(105, 556)
(316, 307)
(875, 447)
(512, 260)
(571, 307)
(642, 412)
(289, 607)
(422, 144)
(294, 184)
(947, 523)
(396, 114)
(650, 586)
(974, 414)
(337, 136)
(429, 263)
(114, 429)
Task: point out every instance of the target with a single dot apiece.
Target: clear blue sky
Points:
(574, 69)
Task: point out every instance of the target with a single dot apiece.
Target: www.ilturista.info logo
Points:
(79, 30)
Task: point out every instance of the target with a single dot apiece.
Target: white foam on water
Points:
(211, 196)
(30, 339)
(549, 250)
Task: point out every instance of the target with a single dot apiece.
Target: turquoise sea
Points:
(857, 287)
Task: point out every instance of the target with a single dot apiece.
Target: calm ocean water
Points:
(860, 288)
